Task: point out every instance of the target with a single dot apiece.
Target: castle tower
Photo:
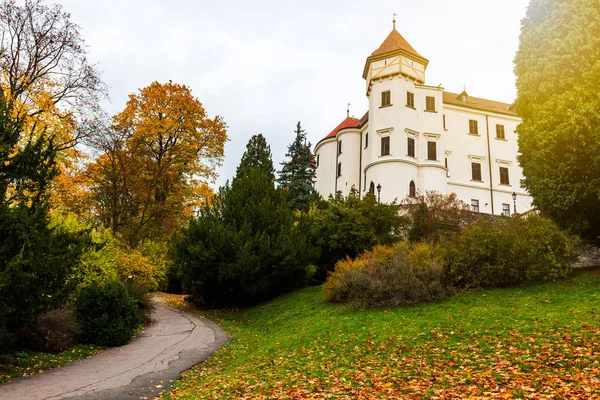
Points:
(402, 150)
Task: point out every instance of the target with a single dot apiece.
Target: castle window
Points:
(476, 171)
(412, 189)
(473, 127)
(432, 151)
(372, 188)
(410, 100)
(444, 121)
(500, 132)
(386, 98)
(340, 147)
(504, 176)
(506, 209)
(474, 205)
(339, 169)
(366, 140)
(385, 146)
(411, 147)
(429, 103)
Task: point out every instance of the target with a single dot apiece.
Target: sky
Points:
(265, 65)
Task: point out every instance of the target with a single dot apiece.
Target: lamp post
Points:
(514, 196)
(379, 193)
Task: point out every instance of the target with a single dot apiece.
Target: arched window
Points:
(372, 188)
(412, 189)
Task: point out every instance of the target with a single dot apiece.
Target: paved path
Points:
(174, 342)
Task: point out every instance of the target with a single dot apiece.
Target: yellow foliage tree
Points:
(154, 170)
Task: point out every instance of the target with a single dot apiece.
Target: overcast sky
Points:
(265, 65)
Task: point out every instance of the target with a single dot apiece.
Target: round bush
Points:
(108, 314)
(507, 252)
(404, 274)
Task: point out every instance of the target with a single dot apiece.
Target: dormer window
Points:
(386, 98)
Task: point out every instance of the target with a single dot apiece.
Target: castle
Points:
(417, 137)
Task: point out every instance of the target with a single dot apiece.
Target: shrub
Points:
(107, 258)
(108, 314)
(434, 215)
(36, 262)
(55, 331)
(508, 251)
(404, 274)
(345, 227)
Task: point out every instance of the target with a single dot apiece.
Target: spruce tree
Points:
(297, 176)
(257, 156)
(558, 70)
(246, 245)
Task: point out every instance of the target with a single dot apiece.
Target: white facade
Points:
(419, 136)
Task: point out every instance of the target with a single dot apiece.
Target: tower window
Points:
(506, 209)
(432, 151)
(500, 132)
(429, 103)
(412, 189)
(366, 140)
(410, 99)
(339, 169)
(385, 146)
(386, 98)
(372, 188)
(476, 171)
(444, 121)
(473, 127)
(411, 147)
(504, 176)
(474, 205)
(340, 147)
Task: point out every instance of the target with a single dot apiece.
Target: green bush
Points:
(506, 252)
(108, 258)
(36, 262)
(345, 227)
(404, 274)
(55, 331)
(108, 314)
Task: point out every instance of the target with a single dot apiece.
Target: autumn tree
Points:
(156, 161)
(558, 70)
(49, 87)
(297, 175)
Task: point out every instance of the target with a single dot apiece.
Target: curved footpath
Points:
(173, 342)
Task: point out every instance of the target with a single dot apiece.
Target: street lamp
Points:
(514, 196)
(379, 193)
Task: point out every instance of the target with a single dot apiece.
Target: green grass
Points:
(25, 362)
(532, 341)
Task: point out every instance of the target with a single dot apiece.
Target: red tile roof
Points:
(479, 103)
(347, 123)
(395, 42)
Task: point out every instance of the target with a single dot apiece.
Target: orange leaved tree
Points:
(154, 167)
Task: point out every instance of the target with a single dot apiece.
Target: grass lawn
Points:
(537, 341)
(25, 362)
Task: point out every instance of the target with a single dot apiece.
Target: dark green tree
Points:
(257, 156)
(297, 175)
(246, 245)
(35, 260)
(346, 226)
(558, 74)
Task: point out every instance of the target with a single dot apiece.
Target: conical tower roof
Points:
(395, 42)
